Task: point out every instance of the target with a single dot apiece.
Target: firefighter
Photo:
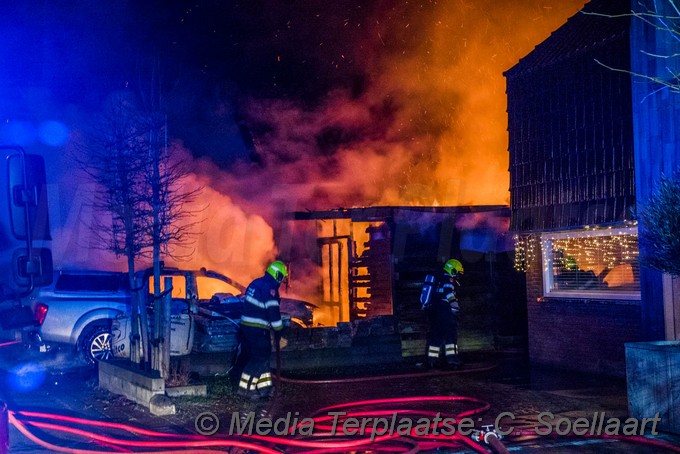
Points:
(260, 316)
(442, 310)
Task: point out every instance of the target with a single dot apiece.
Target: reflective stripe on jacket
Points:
(261, 305)
(445, 290)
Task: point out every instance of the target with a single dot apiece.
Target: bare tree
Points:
(114, 157)
(141, 186)
(663, 16)
(172, 222)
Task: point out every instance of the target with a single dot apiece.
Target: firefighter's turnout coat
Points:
(442, 313)
(259, 315)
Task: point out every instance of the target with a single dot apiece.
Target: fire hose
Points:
(116, 437)
(492, 438)
(323, 440)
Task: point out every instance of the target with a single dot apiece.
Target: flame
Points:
(428, 127)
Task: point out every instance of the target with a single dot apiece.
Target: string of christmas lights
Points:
(594, 248)
(610, 256)
(525, 252)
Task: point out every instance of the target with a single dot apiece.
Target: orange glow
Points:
(179, 286)
(360, 236)
(453, 88)
(226, 239)
(428, 128)
(620, 275)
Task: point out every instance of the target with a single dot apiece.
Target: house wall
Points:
(570, 129)
(579, 334)
(656, 113)
(572, 165)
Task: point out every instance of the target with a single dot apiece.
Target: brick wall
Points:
(534, 276)
(578, 334)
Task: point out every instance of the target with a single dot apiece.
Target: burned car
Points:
(213, 292)
(82, 308)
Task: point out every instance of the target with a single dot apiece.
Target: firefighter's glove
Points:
(455, 308)
(283, 343)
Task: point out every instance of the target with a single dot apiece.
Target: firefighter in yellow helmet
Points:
(261, 315)
(442, 308)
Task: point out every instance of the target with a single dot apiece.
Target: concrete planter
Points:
(653, 377)
(143, 387)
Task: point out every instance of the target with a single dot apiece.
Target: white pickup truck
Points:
(80, 308)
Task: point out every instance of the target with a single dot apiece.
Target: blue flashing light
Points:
(53, 133)
(26, 377)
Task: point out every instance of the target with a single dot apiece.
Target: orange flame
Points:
(428, 128)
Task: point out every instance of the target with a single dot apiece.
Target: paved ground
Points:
(58, 385)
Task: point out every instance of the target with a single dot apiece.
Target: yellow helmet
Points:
(453, 267)
(278, 271)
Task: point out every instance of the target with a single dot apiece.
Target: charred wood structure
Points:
(370, 275)
(374, 260)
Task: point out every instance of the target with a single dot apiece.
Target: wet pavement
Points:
(494, 389)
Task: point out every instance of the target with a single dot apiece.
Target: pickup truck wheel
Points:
(96, 344)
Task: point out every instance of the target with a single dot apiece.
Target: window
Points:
(179, 285)
(592, 263)
(91, 282)
(209, 286)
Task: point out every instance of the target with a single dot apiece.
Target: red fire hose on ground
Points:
(115, 437)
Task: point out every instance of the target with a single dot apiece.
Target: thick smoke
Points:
(427, 126)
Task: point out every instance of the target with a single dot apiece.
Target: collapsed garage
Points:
(371, 265)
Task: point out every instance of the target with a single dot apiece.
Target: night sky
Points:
(227, 53)
(211, 52)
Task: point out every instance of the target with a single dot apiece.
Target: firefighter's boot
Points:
(454, 362)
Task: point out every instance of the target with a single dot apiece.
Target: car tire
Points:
(95, 344)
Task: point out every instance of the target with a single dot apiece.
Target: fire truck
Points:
(25, 254)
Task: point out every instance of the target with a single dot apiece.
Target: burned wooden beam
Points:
(379, 213)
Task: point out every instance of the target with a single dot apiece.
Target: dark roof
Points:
(598, 22)
(365, 214)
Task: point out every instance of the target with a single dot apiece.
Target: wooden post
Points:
(671, 297)
(166, 331)
(135, 356)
